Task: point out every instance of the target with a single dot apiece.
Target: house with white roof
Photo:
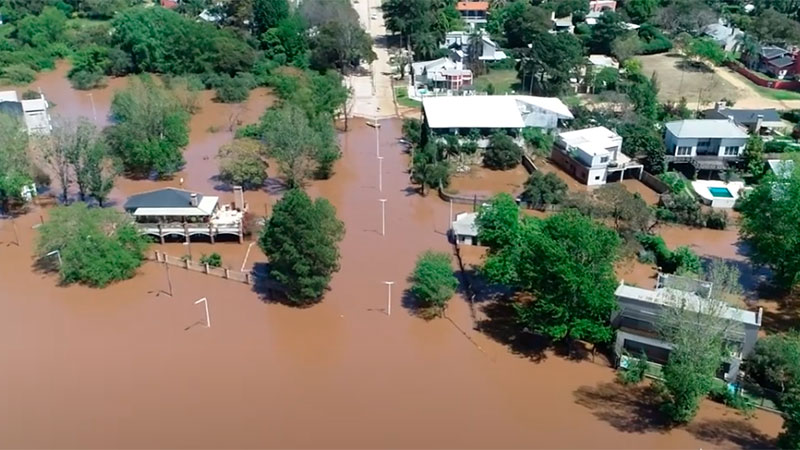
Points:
(172, 211)
(482, 115)
(464, 230)
(489, 50)
(443, 74)
(706, 143)
(592, 154)
(725, 36)
(639, 312)
(32, 112)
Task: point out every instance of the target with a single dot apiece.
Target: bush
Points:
(682, 261)
(503, 153)
(636, 370)
(433, 283)
(675, 181)
(541, 141)
(212, 260)
(716, 220)
(233, 89)
(83, 80)
(18, 74)
(30, 95)
(735, 400)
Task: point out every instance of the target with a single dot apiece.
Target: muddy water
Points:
(484, 182)
(129, 367)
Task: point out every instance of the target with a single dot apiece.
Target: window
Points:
(684, 151)
(597, 177)
(731, 151)
(604, 159)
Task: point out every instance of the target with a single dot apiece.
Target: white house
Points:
(637, 320)
(464, 230)
(489, 50)
(33, 112)
(592, 154)
(447, 73)
(707, 143)
(603, 61)
(725, 36)
(475, 13)
(482, 115)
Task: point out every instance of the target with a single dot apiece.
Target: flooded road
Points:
(128, 366)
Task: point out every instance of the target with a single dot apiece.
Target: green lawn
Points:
(401, 94)
(777, 94)
(504, 81)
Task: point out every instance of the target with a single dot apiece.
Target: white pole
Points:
(94, 110)
(208, 318)
(389, 300)
(377, 137)
(380, 173)
(383, 217)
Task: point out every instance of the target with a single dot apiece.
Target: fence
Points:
(654, 183)
(786, 85)
(221, 272)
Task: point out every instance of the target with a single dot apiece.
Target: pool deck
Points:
(703, 189)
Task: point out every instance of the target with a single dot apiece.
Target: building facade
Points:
(592, 154)
(709, 143)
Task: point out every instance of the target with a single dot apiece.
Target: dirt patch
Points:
(675, 80)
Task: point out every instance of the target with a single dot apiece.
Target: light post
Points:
(383, 217)
(58, 254)
(389, 300)
(94, 110)
(208, 318)
(380, 173)
(377, 137)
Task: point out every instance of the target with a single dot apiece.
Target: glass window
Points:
(731, 151)
(684, 151)
(604, 159)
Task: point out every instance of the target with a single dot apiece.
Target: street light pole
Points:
(383, 217)
(380, 173)
(377, 137)
(389, 300)
(208, 318)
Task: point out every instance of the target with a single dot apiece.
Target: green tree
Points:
(498, 223)
(772, 26)
(44, 29)
(753, 156)
(97, 246)
(16, 168)
(412, 131)
(775, 361)
(642, 138)
(628, 210)
(626, 47)
(566, 263)
(544, 189)
(268, 13)
(503, 153)
(341, 45)
(301, 240)
(233, 89)
(524, 23)
(550, 62)
(604, 32)
(151, 128)
(769, 215)
(685, 16)
(429, 169)
(790, 405)
(640, 11)
(696, 330)
(242, 163)
(89, 65)
(704, 50)
(432, 281)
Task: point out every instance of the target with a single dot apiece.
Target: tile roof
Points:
(472, 6)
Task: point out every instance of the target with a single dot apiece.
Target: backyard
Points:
(675, 82)
(503, 80)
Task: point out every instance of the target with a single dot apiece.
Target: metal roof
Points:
(705, 128)
(177, 200)
(488, 111)
(771, 51)
(782, 62)
(464, 225)
(745, 116)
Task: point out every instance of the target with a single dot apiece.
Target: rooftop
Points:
(603, 61)
(488, 111)
(745, 116)
(594, 141)
(170, 202)
(784, 61)
(721, 32)
(472, 6)
(771, 51)
(705, 128)
(464, 225)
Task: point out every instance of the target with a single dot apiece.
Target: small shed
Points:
(464, 229)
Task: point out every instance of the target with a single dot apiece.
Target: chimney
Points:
(194, 199)
(718, 106)
(759, 122)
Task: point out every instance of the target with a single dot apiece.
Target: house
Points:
(603, 61)
(479, 116)
(593, 16)
(593, 155)
(725, 36)
(172, 211)
(639, 311)
(446, 73)
(756, 121)
(602, 5)
(464, 230)
(474, 13)
(706, 143)
(562, 24)
(169, 4)
(779, 62)
(33, 112)
(489, 50)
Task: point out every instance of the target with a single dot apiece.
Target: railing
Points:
(221, 272)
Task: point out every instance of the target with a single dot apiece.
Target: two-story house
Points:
(475, 13)
(706, 143)
(488, 50)
(591, 155)
(640, 312)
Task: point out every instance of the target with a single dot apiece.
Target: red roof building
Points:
(473, 12)
(169, 4)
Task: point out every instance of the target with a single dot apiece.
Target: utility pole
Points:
(389, 300)
(383, 217)
(380, 173)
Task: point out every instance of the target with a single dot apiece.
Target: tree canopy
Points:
(544, 189)
(16, 169)
(503, 153)
(301, 240)
(243, 163)
(432, 281)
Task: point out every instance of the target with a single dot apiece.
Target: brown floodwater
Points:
(127, 366)
(485, 182)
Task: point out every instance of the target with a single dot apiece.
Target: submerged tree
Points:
(544, 189)
(301, 240)
(433, 282)
(15, 163)
(242, 163)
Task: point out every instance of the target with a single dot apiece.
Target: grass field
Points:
(777, 94)
(401, 94)
(675, 82)
(503, 80)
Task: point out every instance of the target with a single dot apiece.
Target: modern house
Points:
(640, 310)
(464, 230)
(461, 40)
(602, 5)
(779, 62)
(705, 143)
(479, 116)
(757, 121)
(443, 74)
(32, 112)
(475, 13)
(593, 156)
(725, 36)
(172, 211)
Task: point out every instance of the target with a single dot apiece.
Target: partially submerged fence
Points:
(221, 272)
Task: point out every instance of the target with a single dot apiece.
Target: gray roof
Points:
(162, 198)
(745, 116)
(705, 128)
(11, 108)
(771, 51)
(780, 63)
(721, 33)
(464, 225)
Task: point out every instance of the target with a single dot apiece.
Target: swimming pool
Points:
(720, 192)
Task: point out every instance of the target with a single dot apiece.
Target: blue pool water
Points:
(720, 192)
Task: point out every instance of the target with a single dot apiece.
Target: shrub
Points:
(676, 183)
(30, 95)
(503, 153)
(213, 260)
(717, 220)
(683, 260)
(636, 370)
(84, 80)
(233, 89)
(18, 74)
(732, 399)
